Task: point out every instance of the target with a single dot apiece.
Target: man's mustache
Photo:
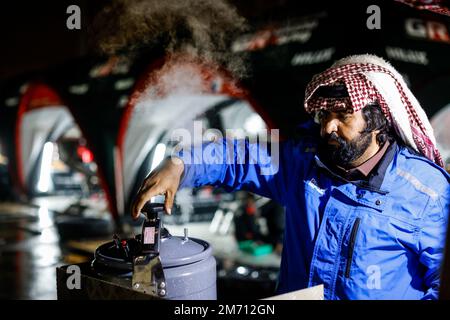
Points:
(333, 137)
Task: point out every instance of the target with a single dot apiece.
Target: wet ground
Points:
(31, 249)
(29, 253)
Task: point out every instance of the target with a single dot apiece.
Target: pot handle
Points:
(151, 210)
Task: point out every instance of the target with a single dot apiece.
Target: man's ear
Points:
(374, 135)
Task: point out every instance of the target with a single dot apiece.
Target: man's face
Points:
(342, 140)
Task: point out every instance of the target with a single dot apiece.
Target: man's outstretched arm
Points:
(232, 164)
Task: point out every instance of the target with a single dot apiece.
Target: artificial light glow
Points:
(45, 173)
(254, 124)
(242, 270)
(44, 217)
(160, 151)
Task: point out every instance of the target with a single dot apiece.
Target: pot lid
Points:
(174, 251)
(177, 251)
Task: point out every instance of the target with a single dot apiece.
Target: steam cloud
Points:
(203, 29)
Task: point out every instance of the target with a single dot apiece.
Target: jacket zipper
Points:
(351, 246)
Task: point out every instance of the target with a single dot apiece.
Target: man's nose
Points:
(329, 127)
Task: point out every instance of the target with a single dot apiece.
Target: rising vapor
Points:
(203, 29)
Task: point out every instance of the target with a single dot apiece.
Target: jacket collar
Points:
(376, 177)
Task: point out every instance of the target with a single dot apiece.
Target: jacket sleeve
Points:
(239, 165)
(432, 244)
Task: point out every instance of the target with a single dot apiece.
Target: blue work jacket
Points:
(380, 238)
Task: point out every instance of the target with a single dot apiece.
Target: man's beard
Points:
(345, 152)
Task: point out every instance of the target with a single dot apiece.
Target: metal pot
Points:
(174, 267)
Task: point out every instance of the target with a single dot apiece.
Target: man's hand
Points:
(164, 180)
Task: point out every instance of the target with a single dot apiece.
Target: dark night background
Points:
(34, 34)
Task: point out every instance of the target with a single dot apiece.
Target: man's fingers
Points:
(142, 198)
(168, 202)
(137, 206)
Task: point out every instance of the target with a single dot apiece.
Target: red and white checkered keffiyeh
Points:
(437, 6)
(369, 79)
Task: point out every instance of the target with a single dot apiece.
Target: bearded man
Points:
(366, 197)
